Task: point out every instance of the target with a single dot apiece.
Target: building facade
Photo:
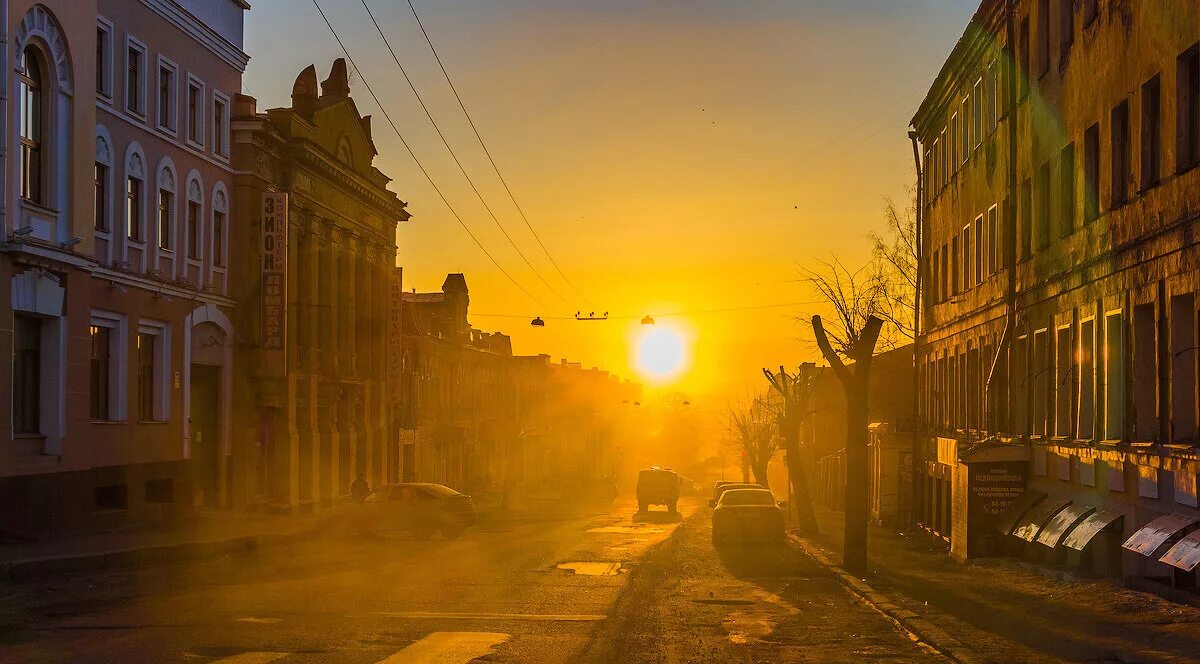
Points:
(115, 259)
(484, 421)
(314, 320)
(1059, 205)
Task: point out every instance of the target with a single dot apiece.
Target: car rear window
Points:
(748, 497)
(440, 491)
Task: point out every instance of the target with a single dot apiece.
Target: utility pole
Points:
(796, 391)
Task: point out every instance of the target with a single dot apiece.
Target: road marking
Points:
(547, 617)
(592, 569)
(251, 658)
(448, 648)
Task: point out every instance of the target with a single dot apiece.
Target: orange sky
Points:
(673, 156)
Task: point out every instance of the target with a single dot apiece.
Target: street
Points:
(603, 588)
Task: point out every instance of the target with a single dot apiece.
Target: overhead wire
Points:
(437, 128)
(488, 152)
(421, 166)
(694, 312)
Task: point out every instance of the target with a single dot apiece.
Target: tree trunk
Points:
(854, 542)
(760, 473)
(806, 520)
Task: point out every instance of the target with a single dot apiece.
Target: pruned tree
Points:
(895, 257)
(858, 301)
(796, 391)
(752, 431)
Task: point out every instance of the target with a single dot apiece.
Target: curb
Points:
(39, 568)
(920, 628)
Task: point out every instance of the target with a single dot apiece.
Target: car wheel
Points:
(716, 538)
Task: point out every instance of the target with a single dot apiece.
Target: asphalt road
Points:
(648, 590)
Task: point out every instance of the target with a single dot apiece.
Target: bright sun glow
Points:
(661, 353)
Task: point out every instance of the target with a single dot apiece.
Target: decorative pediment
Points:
(39, 23)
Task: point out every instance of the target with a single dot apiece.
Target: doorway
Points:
(205, 419)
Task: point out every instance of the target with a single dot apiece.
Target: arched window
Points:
(135, 179)
(166, 206)
(31, 100)
(102, 183)
(220, 207)
(195, 212)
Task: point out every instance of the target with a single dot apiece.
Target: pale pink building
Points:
(116, 217)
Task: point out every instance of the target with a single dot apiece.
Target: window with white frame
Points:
(1085, 427)
(220, 225)
(135, 184)
(135, 76)
(108, 361)
(104, 57)
(153, 369)
(103, 188)
(195, 110)
(1039, 377)
(167, 94)
(220, 125)
(1064, 361)
(194, 220)
(27, 375)
(1183, 368)
(31, 122)
(166, 208)
(1114, 376)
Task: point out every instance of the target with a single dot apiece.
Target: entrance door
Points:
(206, 434)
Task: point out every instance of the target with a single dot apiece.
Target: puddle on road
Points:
(625, 529)
(592, 569)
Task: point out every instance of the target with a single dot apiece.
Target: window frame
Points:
(195, 83)
(29, 189)
(118, 326)
(31, 399)
(1120, 154)
(171, 127)
(1150, 144)
(161, 371)
(220, 129)
(134, 44)
(104, 51)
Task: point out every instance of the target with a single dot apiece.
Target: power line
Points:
(488, 152)
(449, 149)
(694, 312)
(420, 166)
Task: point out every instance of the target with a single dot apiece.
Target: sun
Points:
(660, 353)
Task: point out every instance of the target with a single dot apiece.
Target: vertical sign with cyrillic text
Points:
(274, 284)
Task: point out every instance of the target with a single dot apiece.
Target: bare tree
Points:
(752, 430)
(858, 300)
(796, 391)
(895, 257)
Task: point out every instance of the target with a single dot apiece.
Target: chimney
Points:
(338, 83)
(304, 92)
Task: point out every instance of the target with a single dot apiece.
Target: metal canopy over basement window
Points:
(1092, 525)
(1013, 513)
(1152, 535)
(1037, 516)
(1060, 523)
(1186, 553)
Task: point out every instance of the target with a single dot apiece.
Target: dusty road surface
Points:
(604, 588)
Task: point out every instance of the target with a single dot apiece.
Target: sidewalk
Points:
(1002, 610)
(204, 534)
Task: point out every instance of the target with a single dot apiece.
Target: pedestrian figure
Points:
(359, 489)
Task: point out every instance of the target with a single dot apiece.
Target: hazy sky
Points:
(674, 156)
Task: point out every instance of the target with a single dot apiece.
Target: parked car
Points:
(747, 515)
(421, 509)
(658, 486)
(721, 487)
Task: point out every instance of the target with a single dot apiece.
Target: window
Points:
(1020, 384)
(1183, 368)
(1041, 222)
(1066, 189)
(133, 208)
(980, 250)
(1145, 373)
(1085, 424)
(1043, 36)
(991, 96)
(954, 143)
(27, 372)
(166, 96)
(1091, 172)
(1023, 54)
(1064, 379)
(1039, 382)
(31, 122)
(1025, 206)
(195, 112)
(968, 266)
(1120, 154)
(1187, 128)
(965, 130)
(220, 123)
(1151, 132)
(193, 229)
(944, 159)
(218, 258)
(104, 58)
(166, 214)
(955, 285)
(100, 371)
(101, 197)
(1114, 377)
(977, 119)
(135, 57)
(1066, 28)
(993, 241)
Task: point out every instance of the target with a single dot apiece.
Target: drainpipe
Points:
(916, 411)
(1010, 216)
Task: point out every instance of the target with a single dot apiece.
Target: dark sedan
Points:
(747, 515)
(418, 508)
